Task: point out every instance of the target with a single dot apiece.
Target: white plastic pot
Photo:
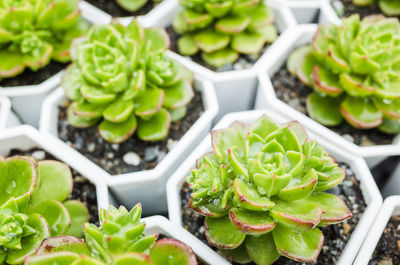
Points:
(390, 207)
(27, 100)
(161, 225)
(25, 137)
(146, 186)
(266, 97)
(7, 116)
(312, 11)
(235, 89)
(392, 186)
(369, 189)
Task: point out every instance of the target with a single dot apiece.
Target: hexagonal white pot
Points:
(298, 36)
(27, 100)
(311, 11)
(369, 189)
(235, 89)
(7, 116)
(161, 225)
(25, 137)
(390, 207)
(146, 186)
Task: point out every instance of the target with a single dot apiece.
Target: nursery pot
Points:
(7, 116)
(312, 11)
(368, 187)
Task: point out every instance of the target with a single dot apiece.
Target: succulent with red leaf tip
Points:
(223, 29)
(34, 32)
(354, 70)
(262, 190)
(118, 241)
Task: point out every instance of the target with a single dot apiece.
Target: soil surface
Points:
(289, 89)
(29, 77)
(336, 236)
(387, 252)
(345, 8)
(134, 154)
(83, 190)
(114, 9)
(244, 61)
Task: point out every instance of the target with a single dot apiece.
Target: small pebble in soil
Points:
(290, 90)
(336, 236)
(131, 158)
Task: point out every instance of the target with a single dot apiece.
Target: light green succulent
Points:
(262, 192)
(354, 70)
(33, 32)
(133, 5)
(122, 78)
(222, 29)
(119, 241)
(388, 7)
(34, 206)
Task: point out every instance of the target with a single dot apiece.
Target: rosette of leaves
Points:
(221, 30)
(262, 192)
(34, 32)
(119, 241)
(134, 5)
(34, 206)
(122, 78)
(388, 7)
(354, 71)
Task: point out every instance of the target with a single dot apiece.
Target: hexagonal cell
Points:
(7, 116)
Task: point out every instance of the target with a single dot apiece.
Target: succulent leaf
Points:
(262, 249)
(317, 108)
(173, 252)
(221, 233)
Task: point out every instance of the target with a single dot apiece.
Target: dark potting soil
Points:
(134, 154)
(387, 252)
(345, 8)
(29, 77)
(244, 61)
(336, 236)
(293, 92)
(83, 190)
(114, 9)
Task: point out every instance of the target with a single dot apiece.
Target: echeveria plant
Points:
(122, 78)
(34, 206)
(33, 32)
(388, 7)
(119, 241)
(221, 30)
(355, 72)
(133, 5)
(262, 192)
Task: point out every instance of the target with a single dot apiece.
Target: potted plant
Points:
(121, 239)
(381, 244)
(313, 11)
(34, 58)
(230, 81)
(344, 8)
(138, 125)
(35, 163)
(179, 192)
(340, 122)
(7, 116)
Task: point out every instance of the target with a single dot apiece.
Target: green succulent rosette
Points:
(262, 192)
(34, 32)
(34, 206)
(354, 71)
(388, 7)
(122, 79)
(119, 240)
(221, 30)
(134, 5)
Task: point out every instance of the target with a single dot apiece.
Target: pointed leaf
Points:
(224, 139)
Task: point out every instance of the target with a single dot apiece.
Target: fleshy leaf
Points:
(118, 132)
(211, 41)
(360, 113)
(325, 110)
(172, 251)
(221, 233)
(250, 222)
(79, 215)
(250, 199)
(262, 249)
(221, 57)
(155, 128)
(248, 43)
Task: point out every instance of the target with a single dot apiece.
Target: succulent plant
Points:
(222, 29)
(34, 206)
(34, 32)
(120, 240)
(133, 5)
(354, 71)
(388, 7)
(122, 78)
(262, 192)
